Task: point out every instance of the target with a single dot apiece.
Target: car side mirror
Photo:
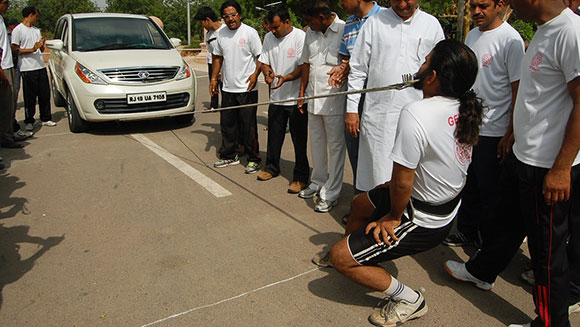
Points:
(175, 41)
(55, 44)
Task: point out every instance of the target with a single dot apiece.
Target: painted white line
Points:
(213, 187)
(231, 298)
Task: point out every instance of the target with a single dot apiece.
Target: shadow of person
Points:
(11, 205)
(214, 138)
(489, 303)
(12, 266)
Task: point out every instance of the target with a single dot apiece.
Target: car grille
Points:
(120, 106)
(140, 74)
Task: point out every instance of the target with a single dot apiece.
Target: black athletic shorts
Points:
(412, 238)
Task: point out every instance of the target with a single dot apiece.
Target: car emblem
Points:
(143, 74)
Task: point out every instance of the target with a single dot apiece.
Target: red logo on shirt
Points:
(536, 61)
(463, 153)
(291, 53)
(242, 42)
(486, 60)
(452, 120)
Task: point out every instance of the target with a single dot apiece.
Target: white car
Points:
(113, 67)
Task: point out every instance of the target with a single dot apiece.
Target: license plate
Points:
(146, 97)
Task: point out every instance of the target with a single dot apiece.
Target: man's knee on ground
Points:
(340, 256)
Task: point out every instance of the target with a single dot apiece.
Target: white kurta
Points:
(387, 47)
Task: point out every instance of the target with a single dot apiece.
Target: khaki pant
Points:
(7, 108)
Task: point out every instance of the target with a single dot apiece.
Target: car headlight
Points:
(88, 76)
(184, 72)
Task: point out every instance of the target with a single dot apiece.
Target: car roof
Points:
(100, 14)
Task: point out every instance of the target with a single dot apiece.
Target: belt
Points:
(440, 209)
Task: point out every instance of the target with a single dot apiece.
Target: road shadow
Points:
(11, 205)
(140, 126)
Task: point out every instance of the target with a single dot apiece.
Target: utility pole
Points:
(460, 22)
(188, 26)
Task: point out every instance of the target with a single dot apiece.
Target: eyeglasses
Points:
(230, 16)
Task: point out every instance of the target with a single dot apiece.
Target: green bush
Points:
(526, 29)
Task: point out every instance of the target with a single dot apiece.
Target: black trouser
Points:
(244, 117)
(277, 119)
(352, 145)
(35, 85)
(480, 190)
(554, 243)
(214, 98)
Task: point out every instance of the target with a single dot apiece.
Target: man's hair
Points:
(204, 13)
(231, 3)
(30, 10)
(456, 67)
(315, 8)
(280, 11)
(13, 21)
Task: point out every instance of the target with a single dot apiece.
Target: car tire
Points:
(185, 119)
(57, 98)
(75, 123)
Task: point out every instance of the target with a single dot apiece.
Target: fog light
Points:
(185, 97)
(100, 105)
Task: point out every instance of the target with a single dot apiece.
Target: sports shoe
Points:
(308, 193)
(29, 127)
(458, 271)
(226, 162)
(528, 277)
(23, 134)
(324, 205)
(457, 239)
(296, 187)
(48, 123)
(574, 308)
(264, 176)
(395, 313)
(252, 167)
(521, 325)
(322, 259)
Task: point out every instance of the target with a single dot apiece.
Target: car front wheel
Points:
(75, 123)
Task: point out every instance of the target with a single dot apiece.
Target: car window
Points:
(64, 36)
(116, 33)
(58, 30)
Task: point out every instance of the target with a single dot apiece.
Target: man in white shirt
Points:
(281, 53)
(236, 53)
(208, 19)
(499, 49)
(414, 211)
(547, 140)
(391, 43)
(325, 115)
(7, 82)
(30, 45)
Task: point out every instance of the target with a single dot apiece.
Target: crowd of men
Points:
(489, 134)
(21, 47)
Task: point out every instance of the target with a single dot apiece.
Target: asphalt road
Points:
(130, 225)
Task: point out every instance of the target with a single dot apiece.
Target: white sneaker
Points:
(458, 271)
(395, 313)
(48, 123)
(324, 205)
(23, 134)
(29, 127)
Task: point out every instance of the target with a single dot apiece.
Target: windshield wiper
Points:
(120, 46)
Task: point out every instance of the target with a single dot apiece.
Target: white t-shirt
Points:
(283, 55)
(6, 59)
(425, 141)
(211, 40)
(320, 51)
(240, 49)
(543, 104)
(25, 37)
(500, 52)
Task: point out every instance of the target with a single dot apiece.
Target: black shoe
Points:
(458, 239)
(12, 145)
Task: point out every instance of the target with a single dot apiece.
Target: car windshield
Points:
(116, 33)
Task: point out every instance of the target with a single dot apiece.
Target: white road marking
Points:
(231, 298)
(206, 182)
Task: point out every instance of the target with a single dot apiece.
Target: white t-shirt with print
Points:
(500, 52)
(240, 49)
(543, 104)
(283, 55)
(6, 60)
(425, 141)
(25, 37)
(211, 40)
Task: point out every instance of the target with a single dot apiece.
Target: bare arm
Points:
(505, 144)
(557, 182)
(254, 77)
(216, 68)
(305, 72)
(339, 74)
(268, 73)
(297, 73)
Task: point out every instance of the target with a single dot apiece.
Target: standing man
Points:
(19, 133)
(280, 56)
(547, 140)
(499, 49)
(391, 43)
(30, 45)
(208, 19)
(236, 53)
(325, 115)
(7, 80)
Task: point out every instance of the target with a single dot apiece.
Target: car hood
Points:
(96, 60)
